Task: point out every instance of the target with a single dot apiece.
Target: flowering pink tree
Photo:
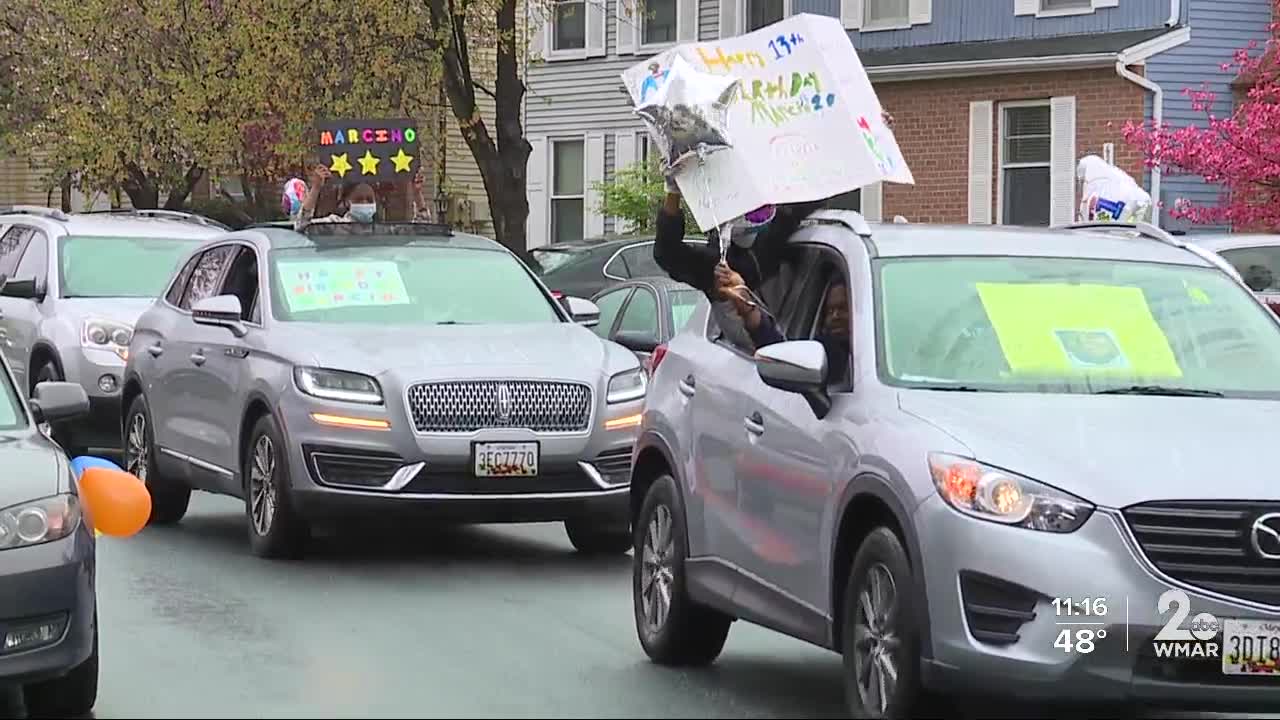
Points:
(1240, 152)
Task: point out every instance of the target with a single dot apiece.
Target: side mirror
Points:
(220, 311)
(583, 311)
(55, 401)
(25, 289)
(637, 340)
(798, 366)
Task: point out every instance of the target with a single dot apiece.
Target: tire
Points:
(882, 572)
(169, 498)
(276, 530)
(48, 371)
(690, 634)
(72, 695)
(593, 539)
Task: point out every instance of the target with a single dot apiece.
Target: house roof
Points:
(1103, 43)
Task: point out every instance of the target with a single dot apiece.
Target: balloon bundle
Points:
(291, 200)
(116, 503)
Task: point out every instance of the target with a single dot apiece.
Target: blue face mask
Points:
(363, 212)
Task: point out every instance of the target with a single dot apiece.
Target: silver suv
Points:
(73, 285)
(1041, 451)
(379, 371)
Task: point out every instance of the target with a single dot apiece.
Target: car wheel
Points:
(72, 695)
(275, 528)
(673, 629)
(881, 641)
(593, 539)
(169, 498)
(48, 372)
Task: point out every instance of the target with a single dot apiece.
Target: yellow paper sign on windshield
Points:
(318, 285)
(1097, 329)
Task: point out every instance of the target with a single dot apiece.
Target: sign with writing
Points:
(805, 124)
(367, 150)
(312, 285)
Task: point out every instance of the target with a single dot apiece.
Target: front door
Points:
(13, 245)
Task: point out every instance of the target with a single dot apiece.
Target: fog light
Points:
(107, 383)
(33, 635)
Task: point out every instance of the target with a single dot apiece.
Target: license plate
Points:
(506, 459)
(1251, 647)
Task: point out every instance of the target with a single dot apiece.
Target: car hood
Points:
(33, 469)
(1115, 450)
(122, 310)
(544, 350)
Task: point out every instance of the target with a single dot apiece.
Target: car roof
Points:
(150, 223)
(282, 235)
(606, 243)
(906, 240)
(658, 282)
(1219, 241)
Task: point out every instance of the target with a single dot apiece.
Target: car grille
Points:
(1208, 545)
(994, 609)
(467, 406)
(614, 465)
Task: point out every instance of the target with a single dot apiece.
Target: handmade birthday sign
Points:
(1078, 330)
(366, 150)
(804, 124)
(312, 285)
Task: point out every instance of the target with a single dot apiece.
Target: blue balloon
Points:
(84, 462)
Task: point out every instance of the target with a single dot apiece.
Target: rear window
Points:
(683, 303)
(552, 258)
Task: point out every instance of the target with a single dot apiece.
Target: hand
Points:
(672, 187)
(888, 119)
(418, 181)
(318, 176)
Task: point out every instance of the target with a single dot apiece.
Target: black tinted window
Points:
(640, 261)
(207, 273)
(174, 296)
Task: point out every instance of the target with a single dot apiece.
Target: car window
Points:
(35, 261)
(207, 274)
(242, 281)
(683, 304)
(640, 262)
(609, 304)
(12, 245)
(1059, 325)
(405, 284)
(11, 413)
(179, 286)
(617, 268)
(91, 266)
(641, 313)
(1259, 266)
(549, 259)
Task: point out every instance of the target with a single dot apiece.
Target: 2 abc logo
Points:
(1194, 640)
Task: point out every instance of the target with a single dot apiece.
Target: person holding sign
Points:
(360, 201)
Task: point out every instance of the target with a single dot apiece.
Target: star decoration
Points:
(402, 161)
(341, 164)
(369, 164)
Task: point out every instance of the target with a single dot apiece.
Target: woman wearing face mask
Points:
(360, 200)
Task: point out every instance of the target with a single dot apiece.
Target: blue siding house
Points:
(994, 100)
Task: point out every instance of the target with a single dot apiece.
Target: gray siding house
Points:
(995, 100)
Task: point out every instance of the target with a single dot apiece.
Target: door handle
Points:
(754, 424)
(688, 387)
(198, 357)
(236, 352)
(156, 350)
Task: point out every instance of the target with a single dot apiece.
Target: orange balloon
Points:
(117, 502)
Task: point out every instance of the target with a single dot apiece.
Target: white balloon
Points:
(688, 116)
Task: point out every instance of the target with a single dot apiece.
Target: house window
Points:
(567, 190)
(569, 25)
(1055, 5)
(1025, 139)
(760, 13)
(659, 24)
(885, 13)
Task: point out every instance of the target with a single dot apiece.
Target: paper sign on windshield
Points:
(1078, 329)
(311, 285)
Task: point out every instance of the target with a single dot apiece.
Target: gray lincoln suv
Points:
(1034, 475)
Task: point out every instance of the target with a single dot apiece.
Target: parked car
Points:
(373, 370)
(48, 597)
(74, 284)
(584, 268)
(644, 313)
(1255, 255)
(1028, 418)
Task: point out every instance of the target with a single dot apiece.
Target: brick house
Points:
(995, 100)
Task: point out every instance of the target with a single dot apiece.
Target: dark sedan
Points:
(585, 267)
(644, 313)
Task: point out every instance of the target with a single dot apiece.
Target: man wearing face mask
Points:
(360, 200)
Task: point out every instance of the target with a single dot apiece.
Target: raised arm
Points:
(316, 179)
(685, 263)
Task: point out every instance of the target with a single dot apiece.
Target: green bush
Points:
(634, 194)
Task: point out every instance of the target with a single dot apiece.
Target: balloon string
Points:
(725, 231)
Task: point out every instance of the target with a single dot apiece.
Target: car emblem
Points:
(504, 403)
(1265, 536)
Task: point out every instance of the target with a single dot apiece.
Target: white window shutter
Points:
(624, 156)
(593, 156)
(851, 14)
(921, 12)
(595, 28)
(980, 162)
(1026, 7)
(872, 201)
(1062, 160)
(729, 13)
(540, 42)
(627, 22)
(686, 20)
(537, 229)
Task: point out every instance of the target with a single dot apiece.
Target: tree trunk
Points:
(179, 193)
(141, 188)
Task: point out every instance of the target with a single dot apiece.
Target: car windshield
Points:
(11, 414)
(683, 303)
(1051, 325)
(551, 258)
(405, 284)
(114, 266)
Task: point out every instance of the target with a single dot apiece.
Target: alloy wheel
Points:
(876, 640)
(657, 571)
(262, 485)
(136, 449)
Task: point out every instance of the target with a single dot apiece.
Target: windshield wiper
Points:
(1160, 390)
(957, 388)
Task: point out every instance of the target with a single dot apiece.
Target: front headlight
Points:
(107, 335)
(626, 386)
(338, 385)
(39, 521)
(987, 493)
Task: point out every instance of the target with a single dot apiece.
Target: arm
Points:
(683, 262)
(319, 175)
(421, 209)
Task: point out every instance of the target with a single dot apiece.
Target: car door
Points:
(1259, 266)
(640, 316)
(610, 303)
(13, 245)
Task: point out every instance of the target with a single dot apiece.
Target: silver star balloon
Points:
(689, 115)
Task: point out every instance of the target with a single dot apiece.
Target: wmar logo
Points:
(1265, 536)
(1175, 641)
